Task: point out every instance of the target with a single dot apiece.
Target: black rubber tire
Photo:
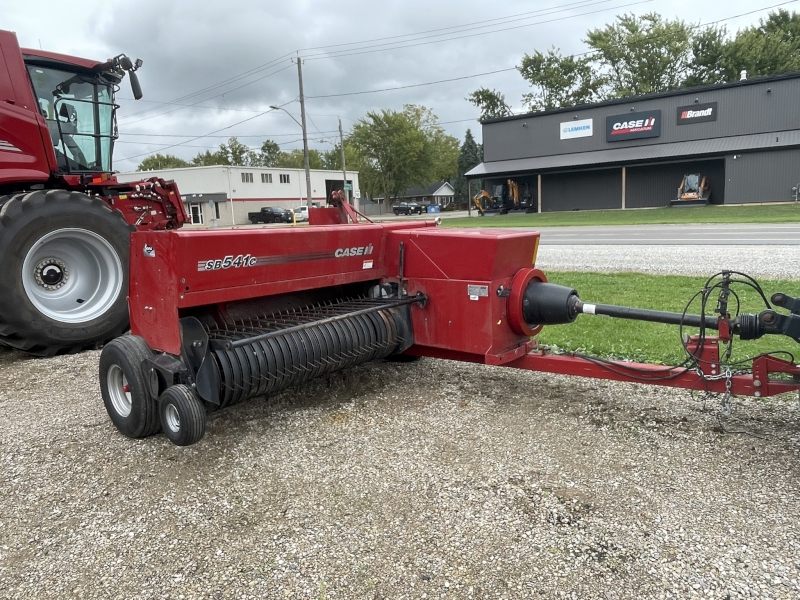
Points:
(24, 220)
(190, 425)
(254, 221)
(127, 353)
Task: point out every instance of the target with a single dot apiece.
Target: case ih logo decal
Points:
(248, 260)
(8, 146)
(697, 113)
(633, 126)
(356, 251)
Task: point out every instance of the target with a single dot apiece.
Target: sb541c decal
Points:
(229, 262)
(248, 260)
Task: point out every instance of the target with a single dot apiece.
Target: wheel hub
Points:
(51, 274)
(72, 275)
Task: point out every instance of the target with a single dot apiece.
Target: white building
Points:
(222, 195)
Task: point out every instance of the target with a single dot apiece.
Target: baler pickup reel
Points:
(221, 316)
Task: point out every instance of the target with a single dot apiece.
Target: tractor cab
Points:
(78, 106)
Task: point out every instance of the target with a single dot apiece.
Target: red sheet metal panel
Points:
(178, 269)
(461, 272)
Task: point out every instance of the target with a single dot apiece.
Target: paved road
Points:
(724, 234)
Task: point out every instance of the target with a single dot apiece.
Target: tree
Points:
(295, 159)
(442, 148)
(709, 57)
(396, 152)
(208, 158)
(491, 102)
(558, 80)
(162, 161)
(770, 48)
(268, 155)
(469, 156)
(642, 55)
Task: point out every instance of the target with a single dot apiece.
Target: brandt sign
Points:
(576, 129)
(697, 113)
(633, 126)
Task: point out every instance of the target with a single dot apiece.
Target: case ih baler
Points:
(220, 316)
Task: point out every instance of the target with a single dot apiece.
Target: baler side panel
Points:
(155, 290)
(461, 272)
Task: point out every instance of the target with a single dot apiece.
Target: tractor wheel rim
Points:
(172, 418)
(72, 275)
(118, 391)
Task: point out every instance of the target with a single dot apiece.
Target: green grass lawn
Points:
(651, 342)
(780, 213)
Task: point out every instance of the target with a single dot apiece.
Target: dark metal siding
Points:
(657, 185)
(743, 110)
(761, 176)
(588, 190)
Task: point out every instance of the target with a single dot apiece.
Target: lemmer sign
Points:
(632, 126)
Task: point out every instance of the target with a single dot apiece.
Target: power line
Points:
(413, 85)
(263, 135)
(272, 62)
(482, 23)
(202, 136)
(207, 99)
(402, 45)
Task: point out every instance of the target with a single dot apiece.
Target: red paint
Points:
(460, 271)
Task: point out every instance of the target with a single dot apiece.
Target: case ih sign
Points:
(633, 126)
(697, 113)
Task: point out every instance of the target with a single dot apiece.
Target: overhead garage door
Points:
(589, 190)
(657, 185)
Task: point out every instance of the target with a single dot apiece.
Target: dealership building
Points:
(744, 137)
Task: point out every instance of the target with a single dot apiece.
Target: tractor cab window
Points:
(80, 113)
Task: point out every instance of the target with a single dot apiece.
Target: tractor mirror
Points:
(135, 87)
(125, 63)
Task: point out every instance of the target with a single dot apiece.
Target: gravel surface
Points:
(433, 479)
(767, 262)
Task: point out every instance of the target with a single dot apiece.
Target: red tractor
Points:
(65, 221)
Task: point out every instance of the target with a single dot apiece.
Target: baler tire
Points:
(85, 244)
(134, 411)
(183, 416)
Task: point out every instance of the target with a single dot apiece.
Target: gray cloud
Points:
(187, 46)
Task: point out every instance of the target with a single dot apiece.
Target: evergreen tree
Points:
(469, 157)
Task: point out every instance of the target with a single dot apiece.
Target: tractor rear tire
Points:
(126, 389)
(183, 416)
(64, 265)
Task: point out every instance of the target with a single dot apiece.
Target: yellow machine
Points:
(693, 189)
(513, 192)
(476, 201)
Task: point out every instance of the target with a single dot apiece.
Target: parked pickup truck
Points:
(270, 214)
(407, 208)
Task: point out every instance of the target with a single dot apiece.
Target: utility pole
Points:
(305, 131)
(344, 167)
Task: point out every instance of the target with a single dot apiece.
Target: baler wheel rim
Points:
(183, 416)
(119, 390)
(172, 420)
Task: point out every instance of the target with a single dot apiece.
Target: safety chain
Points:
(725, 400)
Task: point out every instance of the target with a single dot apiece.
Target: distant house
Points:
(441, 193)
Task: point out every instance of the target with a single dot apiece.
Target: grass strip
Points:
(653, 342)
(781, 213)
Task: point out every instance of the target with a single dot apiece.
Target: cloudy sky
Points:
(214, 67)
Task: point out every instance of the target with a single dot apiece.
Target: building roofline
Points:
(654, 96)
(284, 169)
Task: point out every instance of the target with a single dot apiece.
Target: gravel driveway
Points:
(427, 480)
